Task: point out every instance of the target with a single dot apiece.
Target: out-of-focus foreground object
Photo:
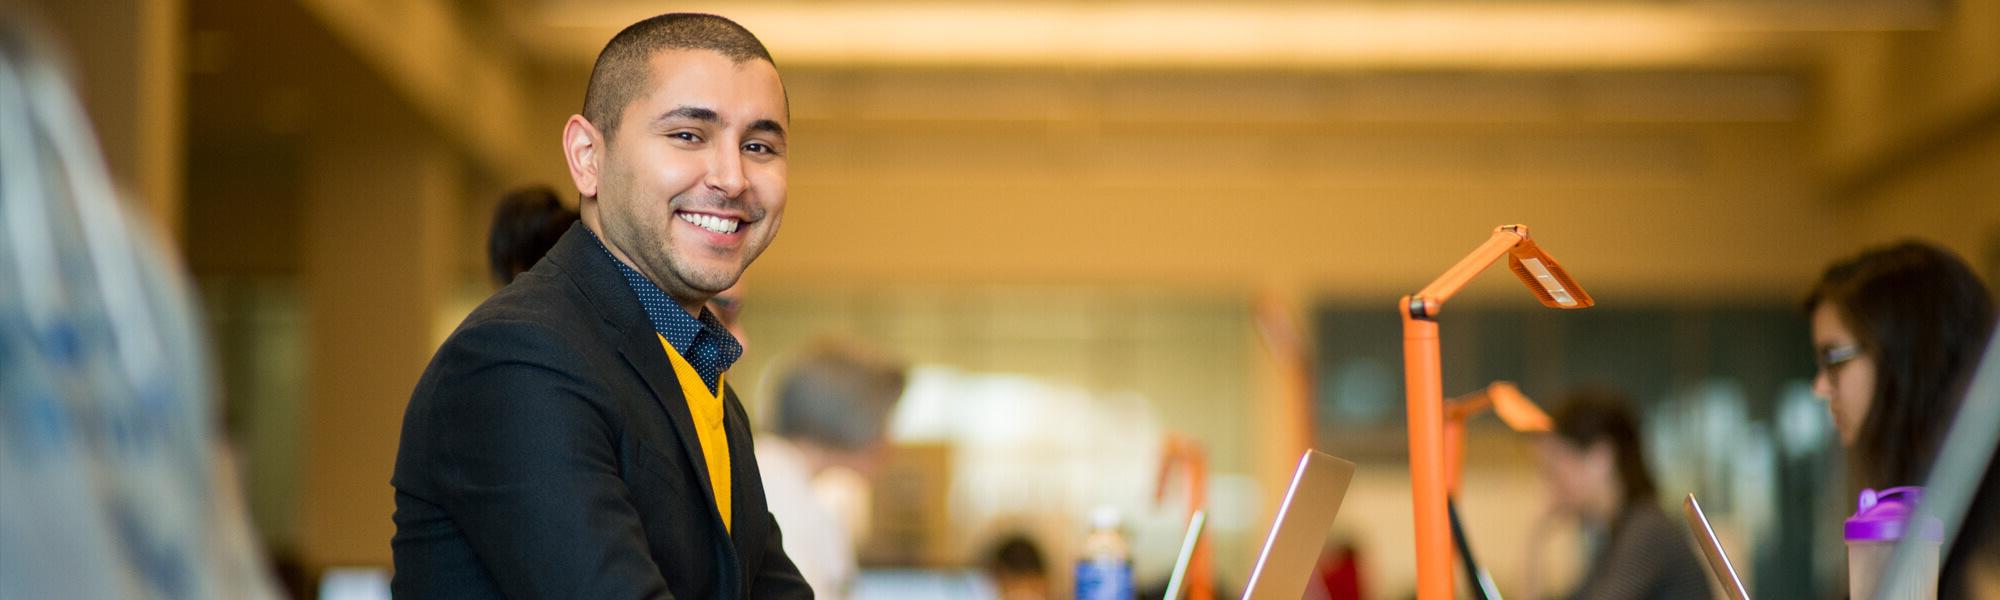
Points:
(1423, 377)
(1184, 453)
(106, 484)
(1970, 446)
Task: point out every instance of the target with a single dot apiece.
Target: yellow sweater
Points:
(706, 406)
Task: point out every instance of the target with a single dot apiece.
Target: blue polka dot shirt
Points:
(704, 342)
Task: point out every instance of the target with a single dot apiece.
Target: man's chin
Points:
(712, 284)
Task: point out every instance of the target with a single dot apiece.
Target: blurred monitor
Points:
(924, 584)
(354, 583)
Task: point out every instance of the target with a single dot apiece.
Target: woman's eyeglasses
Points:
(1828, 358)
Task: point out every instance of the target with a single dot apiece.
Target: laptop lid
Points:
(1298, 533)
(1187, 555)
(1711, 548)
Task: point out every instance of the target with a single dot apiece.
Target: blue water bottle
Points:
(1105, 570)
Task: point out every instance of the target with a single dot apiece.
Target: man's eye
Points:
(760, 148)
(685, 136)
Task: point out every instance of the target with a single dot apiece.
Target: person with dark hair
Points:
(1018, 569)
(576, 437)
(829, 427)
(1596, 473)
(526, 225)
(1897, 331)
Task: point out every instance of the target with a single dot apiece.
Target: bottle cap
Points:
(1885, 516)
(1104, 517)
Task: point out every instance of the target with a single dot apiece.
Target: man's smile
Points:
(713, 223)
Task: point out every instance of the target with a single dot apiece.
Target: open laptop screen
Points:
(1298, 533)
(1711, 548)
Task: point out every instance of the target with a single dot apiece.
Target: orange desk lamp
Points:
(1424, 385)
(1513, 407)
(1185, 453)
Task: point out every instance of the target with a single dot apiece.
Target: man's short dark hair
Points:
(621, 72)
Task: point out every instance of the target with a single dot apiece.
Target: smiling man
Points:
(577, 437)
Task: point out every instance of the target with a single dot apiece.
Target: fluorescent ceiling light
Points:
(1567, 34)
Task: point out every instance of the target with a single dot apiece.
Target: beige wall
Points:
(1910, 139)
(1953, 199)
(1354, 185)
(125, 57)
(377, 264)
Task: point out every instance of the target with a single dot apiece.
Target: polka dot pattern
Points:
(707, 346)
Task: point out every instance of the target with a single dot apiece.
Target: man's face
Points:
(691, 187)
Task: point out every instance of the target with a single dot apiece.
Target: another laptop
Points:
(1298, 534)
(1179, 577)
(1711, 548)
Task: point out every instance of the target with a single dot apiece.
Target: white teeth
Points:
(711, 222)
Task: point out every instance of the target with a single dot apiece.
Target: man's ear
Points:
(583, 149)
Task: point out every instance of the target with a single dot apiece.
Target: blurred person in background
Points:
(1897, 331)
(526, 224)
(528, 221)
(728, 308)
(1018, 570)
(829, 425)
(576, 436)
(1597, 476)
(114, 481)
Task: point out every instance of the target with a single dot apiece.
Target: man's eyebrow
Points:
(769, 126)
(695, 113)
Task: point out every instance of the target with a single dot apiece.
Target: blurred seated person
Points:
(829, 423)
(728, 308)
(526, 224)
(1017, 569)
(1897, 332)
(1597, 476)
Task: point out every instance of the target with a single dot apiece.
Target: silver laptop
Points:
(1299, 532)
(1711, 548)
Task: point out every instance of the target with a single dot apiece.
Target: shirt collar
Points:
(703, 341)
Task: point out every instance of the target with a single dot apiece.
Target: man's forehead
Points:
(732, 91)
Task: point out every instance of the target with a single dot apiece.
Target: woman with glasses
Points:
(1897, 331)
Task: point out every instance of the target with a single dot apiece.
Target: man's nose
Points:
(725, 172)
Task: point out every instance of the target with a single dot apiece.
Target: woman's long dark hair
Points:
(1924, 318)
(1591, 415)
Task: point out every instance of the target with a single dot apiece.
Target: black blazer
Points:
(548, 453)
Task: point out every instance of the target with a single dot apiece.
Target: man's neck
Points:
(693, 307)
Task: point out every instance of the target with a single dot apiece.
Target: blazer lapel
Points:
(742, 468)
(644, 354)
(580, 254)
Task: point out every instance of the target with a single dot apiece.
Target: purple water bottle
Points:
(1881, 519)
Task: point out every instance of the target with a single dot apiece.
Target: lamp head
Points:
(1550, 283)
(1516, 410)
